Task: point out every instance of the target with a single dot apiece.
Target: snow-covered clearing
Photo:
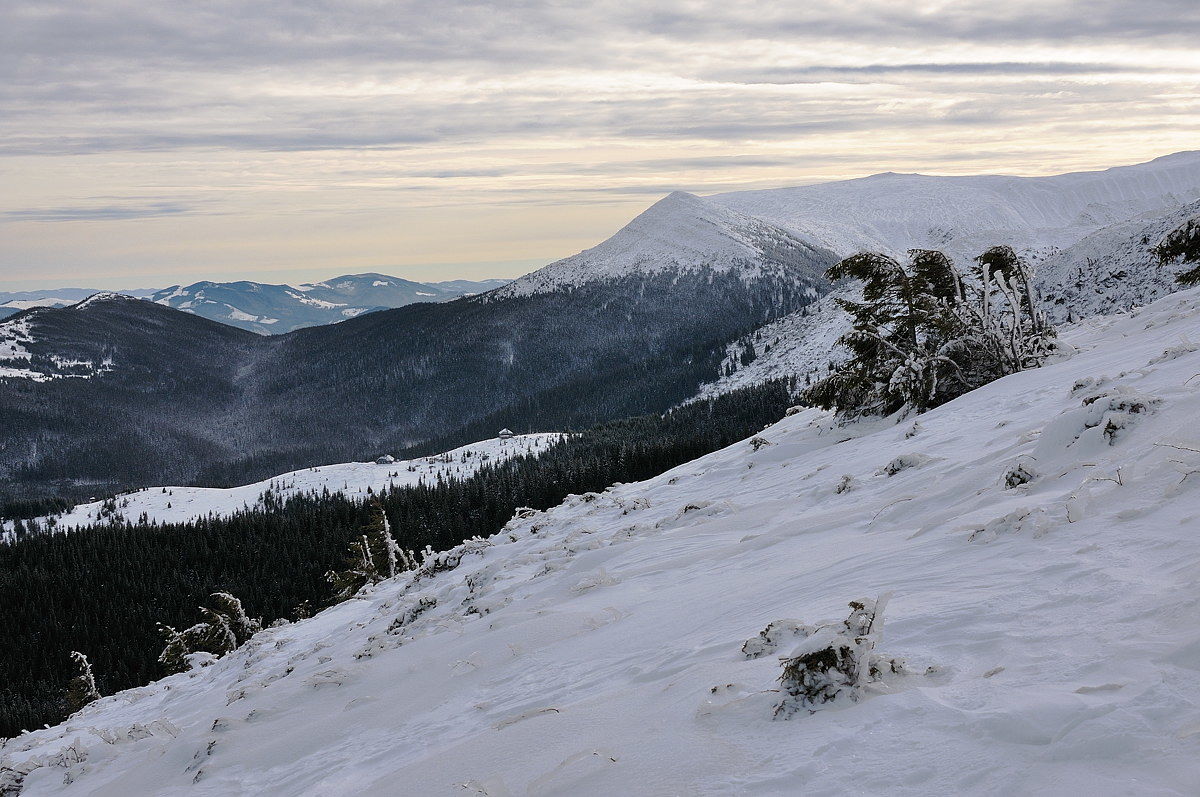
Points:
(1039, 535)
(353, 479)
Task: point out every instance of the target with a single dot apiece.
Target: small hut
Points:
(506, 434)
(386, 459)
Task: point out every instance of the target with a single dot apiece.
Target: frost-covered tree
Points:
(230, 609)
(1182, 245)
(82, 688)
(924, 332)
(373, 556)
(225, 627)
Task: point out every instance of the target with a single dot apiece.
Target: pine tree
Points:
(174, 654)
(82, 688)
(230, 608)
(1182, 245)
(225, 627)
(374, 556)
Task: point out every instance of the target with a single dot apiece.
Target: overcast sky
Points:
(149, 142)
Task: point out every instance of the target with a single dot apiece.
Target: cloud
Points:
(226, 118)
(114, 212)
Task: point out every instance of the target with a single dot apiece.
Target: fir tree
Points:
(82, 688)
(174, 654)
(374, 556)
(925, 333)
(1182, 245)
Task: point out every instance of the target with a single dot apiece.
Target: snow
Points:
(886, 212)
(797, 344)
(17, 333)
(965, 215)
(680, 231)
(43, 301)
(102, 296)
(354, 479)
(1050, 631)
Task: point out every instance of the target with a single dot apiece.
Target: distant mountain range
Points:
(272, 309)
(113, 392)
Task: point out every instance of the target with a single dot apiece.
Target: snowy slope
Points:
(1109, 270)
(354, 479)
(797, 345)
(1112, 269)
(680, 232)
(965, 215)
(1051, 631)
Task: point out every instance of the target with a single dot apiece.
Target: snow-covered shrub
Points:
(1172, 353)
(1020, 472)
(903, 462)
(758, 442)
(775, 634)
(432, 563)
(1088, 383)
(836, 661)
(845, 484)
(411, 612)
(1015, 522)
(1116, 410)
(925, 332)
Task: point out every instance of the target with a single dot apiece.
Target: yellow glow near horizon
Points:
(479, 146)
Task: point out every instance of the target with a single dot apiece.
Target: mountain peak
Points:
(680, 231)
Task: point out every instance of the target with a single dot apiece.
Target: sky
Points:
(145, 143)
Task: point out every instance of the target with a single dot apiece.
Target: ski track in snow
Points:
(1051, 631)
(353, 479)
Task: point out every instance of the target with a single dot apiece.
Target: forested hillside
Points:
(187, 401)
(102, 590)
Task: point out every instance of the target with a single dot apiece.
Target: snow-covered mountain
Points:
(355, 480)
(1038, 535)
(274, 309)
(680, 233)
(965, 215)
(13, 302)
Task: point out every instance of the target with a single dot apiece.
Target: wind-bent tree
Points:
(924, 332)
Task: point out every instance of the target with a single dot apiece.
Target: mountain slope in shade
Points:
(965, 215)
(680, 233)
(274, 309)
(1049, 632)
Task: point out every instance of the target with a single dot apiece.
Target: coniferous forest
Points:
(103, 590)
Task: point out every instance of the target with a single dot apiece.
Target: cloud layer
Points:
(316, 135)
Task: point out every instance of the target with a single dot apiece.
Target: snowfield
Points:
(1039, 535)
(353, 479)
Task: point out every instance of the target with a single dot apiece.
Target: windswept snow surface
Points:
(1051, 630)
(353, 479)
